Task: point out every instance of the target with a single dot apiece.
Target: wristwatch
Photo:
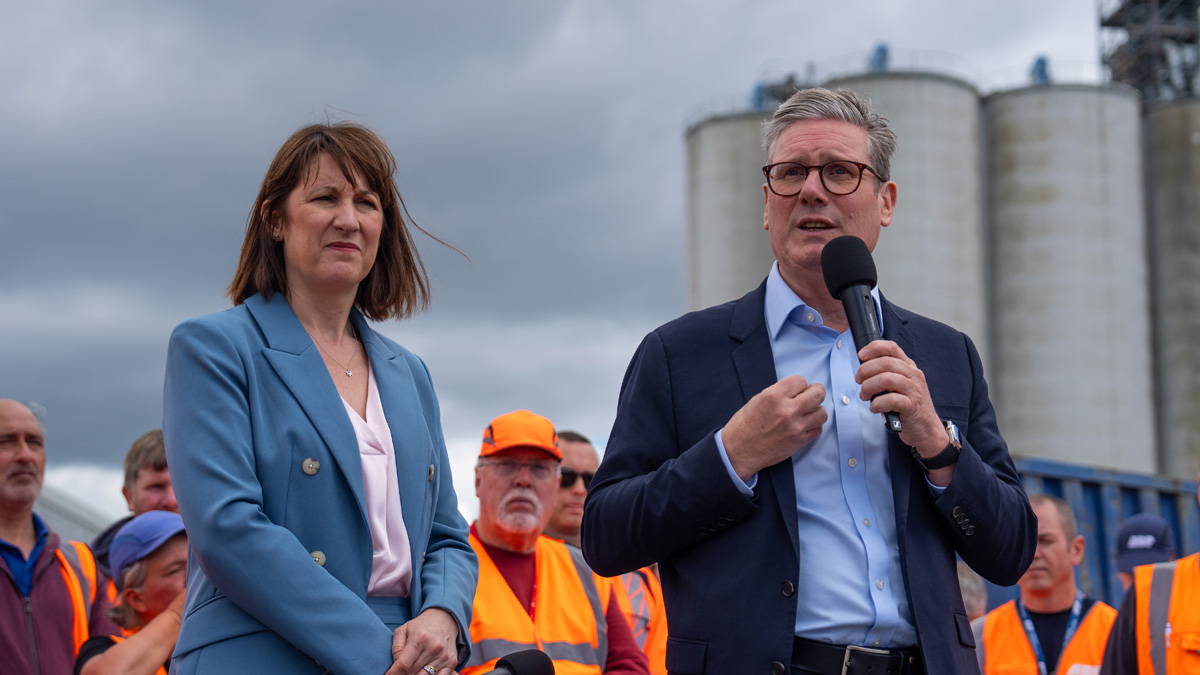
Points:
(945, 457)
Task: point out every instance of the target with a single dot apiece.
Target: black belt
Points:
(830, 659)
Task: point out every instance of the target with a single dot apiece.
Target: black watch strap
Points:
(942, 459)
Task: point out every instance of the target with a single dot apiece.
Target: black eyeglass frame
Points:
(821, 173)
(570, 476)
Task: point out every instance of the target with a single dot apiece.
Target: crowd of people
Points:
(752, 512)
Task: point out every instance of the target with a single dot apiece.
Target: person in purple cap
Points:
(1144, 539)
(149, 563)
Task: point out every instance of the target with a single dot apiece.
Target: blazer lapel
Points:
(295, 358)
(896, 329)
(410, 436)
(755, 366)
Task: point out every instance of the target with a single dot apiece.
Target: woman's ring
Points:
(430, 670)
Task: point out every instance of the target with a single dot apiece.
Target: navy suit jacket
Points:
(266, 468)
(729, 562)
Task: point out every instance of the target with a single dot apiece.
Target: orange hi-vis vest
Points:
(1168, 617)
(78, 569)
(1004, 649)
(642, 604)
(118, 638)
(569, 606)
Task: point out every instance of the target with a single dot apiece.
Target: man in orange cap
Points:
(532, 589)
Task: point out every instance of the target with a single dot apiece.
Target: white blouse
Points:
(391, 561)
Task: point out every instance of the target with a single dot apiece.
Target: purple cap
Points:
(139, 538)
(1142, 540)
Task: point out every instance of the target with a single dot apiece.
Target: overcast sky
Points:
(543, 139)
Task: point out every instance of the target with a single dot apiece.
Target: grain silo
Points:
(729, 253)
(1071, 340)
(931, 258)
(1173, 192)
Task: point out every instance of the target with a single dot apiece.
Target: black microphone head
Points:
(846, 261)
(528, 662)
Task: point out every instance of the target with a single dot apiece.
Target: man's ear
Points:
(133, 598)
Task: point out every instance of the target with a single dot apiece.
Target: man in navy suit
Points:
(749, 455)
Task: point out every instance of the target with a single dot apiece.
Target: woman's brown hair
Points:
(397, 284)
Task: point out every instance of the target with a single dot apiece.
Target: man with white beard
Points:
(520, 571)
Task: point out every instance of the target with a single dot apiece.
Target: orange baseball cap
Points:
(520, 429)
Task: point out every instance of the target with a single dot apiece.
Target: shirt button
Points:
(875, 643)
(867, 522)
(852, 462)
(879, 584)
(808, 317)
(845, 400)
(839, 344)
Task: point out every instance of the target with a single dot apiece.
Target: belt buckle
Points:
(865, 650)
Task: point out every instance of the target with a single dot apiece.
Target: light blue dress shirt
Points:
(851, 588)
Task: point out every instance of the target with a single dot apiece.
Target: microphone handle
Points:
(864, 326)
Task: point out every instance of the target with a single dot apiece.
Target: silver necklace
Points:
(349, 373)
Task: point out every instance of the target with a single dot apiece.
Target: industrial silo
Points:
(931, 258)
(1071, 341)
(729, 253)
(1173, 184)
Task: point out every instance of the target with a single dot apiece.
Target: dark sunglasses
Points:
(569, 476)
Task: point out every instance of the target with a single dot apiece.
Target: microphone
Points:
(850, 275)
(526, 662)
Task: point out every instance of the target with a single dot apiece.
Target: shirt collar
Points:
(781, 301)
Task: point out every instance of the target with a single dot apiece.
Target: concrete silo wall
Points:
(1071, 349)
(1173, 183)
(728, 250)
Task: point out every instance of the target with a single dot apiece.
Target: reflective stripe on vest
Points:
(79, 574)
(1004, 647)
(116, 639)
(1168, 619)
(569, 622)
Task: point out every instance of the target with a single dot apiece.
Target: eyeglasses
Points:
(569, 476)
(507, 468)
(786, 179)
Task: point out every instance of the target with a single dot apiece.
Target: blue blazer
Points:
(729, 562)
(265, 465)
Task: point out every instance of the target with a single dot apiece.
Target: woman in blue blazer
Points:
(306, 449)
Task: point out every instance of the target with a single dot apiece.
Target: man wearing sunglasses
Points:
(749, 456)
(533, 591)
(642, 601)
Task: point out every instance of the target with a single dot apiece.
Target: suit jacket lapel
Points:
(755, 366)
(295, 358)
(895, 329)
(410, 437)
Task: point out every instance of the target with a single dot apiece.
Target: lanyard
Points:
(1031, 632)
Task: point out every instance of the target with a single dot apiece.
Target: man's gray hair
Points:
(817, 103)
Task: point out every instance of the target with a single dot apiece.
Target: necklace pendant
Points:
(348, 373)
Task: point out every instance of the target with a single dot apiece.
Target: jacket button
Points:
(422, 558)
(970, 530)
(430, 472)
(310, 466)
(956, 511)
(788, 589)
(778, 668)
(318, 558)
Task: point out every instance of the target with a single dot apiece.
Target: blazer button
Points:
(310, 466)
(956, 511)
(318, 558)
(430, 472)
(970, 530)
(788, 589)
(778, 668)
(422, 558)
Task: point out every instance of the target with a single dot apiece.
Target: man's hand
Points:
(773, 425)
(427, 640)
(888, 373)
